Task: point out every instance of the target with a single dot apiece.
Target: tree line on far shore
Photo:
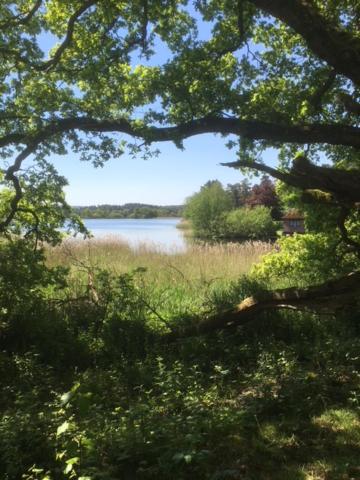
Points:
(129, 210)
(239, 211)
(215, 200)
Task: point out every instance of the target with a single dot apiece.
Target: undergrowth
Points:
(92, 390)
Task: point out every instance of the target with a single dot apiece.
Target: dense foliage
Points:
(100, 378)
(218, 213)
(254, 223)
(206, 209)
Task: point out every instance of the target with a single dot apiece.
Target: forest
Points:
(228, 361)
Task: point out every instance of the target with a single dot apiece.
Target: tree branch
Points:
(351, 105)
(332, 44)
(144, 24)
(342, 184)
(343, 215)
(332, 134)
(22, 19)
(317, 98)
(11, 177)
(53, 61)
(35, 228)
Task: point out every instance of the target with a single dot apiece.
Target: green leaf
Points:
(62, 429)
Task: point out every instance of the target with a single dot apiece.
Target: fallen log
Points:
(327, 298)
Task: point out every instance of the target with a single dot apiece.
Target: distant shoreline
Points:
(131, 218)
(129, 211)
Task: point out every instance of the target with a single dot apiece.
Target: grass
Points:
(178, 285)
(201, 264)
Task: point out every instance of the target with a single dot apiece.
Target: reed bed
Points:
(199, 263)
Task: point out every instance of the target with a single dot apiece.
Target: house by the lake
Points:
(293, 222)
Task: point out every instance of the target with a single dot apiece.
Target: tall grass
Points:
(177, 284)
(199, 263)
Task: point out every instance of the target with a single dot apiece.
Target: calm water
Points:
(160, 232)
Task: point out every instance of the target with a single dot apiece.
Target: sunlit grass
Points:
(178, 284)
(343, 423)
(199, 263)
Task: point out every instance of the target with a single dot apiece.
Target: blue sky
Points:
(167, 179)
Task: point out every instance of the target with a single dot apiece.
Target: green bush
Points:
(251, 223)
(206, 209)
(305, 259)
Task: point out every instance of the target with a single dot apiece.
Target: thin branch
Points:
(144, 26)
(316, 98)
(22, 19)
(10, 176)
(53, 61)
(35, 229)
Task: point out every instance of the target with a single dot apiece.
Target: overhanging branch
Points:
(332, 134)
(342, 184)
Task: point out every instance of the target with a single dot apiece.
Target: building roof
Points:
(293, 215)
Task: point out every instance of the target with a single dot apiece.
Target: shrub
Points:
(305, 259)
(254, 223)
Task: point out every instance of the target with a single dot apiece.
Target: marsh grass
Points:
(178, 285)
(201, 263)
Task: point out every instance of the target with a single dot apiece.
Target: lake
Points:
(160, 232)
